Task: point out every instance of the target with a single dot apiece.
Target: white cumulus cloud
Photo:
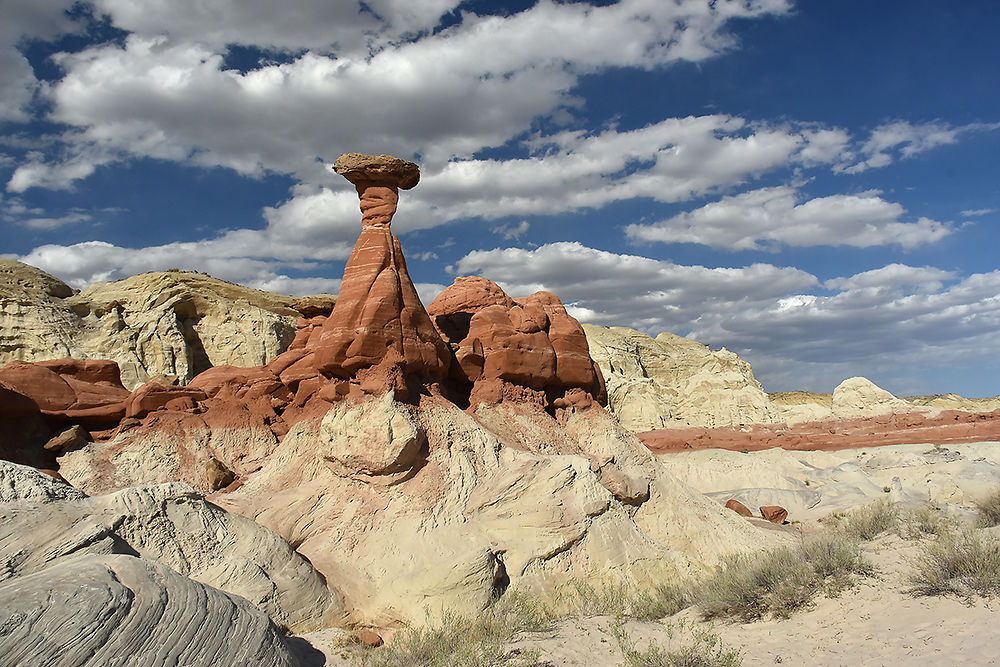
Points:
(768, 216)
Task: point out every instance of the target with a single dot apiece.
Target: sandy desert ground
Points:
(879, 620)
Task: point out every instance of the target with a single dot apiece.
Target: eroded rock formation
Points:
(169, 323)
(671, 382)
(503, 346)
(379, 327)
(394, 464)
(422, 465)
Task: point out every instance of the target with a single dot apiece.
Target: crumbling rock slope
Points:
(672, 381)
(170, 323)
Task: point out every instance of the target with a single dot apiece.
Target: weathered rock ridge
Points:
(172, 323)
(671, 381)
(152, 573)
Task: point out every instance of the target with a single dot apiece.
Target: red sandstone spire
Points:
(378, 320)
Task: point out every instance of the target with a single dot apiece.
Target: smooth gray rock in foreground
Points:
(121, 610)
(44, 522)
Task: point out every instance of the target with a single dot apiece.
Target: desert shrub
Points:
(921, 521)
(622, 601)
(868, 522)
(751, 586)
(701, 649)
(834, 558)
(965, 563)
(989, 510)
(777, 582)
(460, 641)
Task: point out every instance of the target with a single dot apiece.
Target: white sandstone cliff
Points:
(672, 381)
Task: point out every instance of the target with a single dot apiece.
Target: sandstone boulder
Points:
(379, 437)
(774, 513)
(738, 507)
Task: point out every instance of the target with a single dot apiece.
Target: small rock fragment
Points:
(774, 513)
(369, 637)
(68, 439)
(218, 475)
(739, 507)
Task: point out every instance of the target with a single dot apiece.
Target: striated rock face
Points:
(180, 323)
(531, 342)
(44, 523)
(671, 381)
(104, 610)
(172, 323)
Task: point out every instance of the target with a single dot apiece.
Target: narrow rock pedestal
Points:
(379, 329)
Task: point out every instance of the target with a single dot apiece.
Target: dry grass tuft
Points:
(704, 649)
(965, 563)
(466, 642)
(989, 510)
(776, 583)
(622, 601)
(868, 522)
(922, 521)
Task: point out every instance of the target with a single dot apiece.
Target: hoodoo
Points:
(378, 322)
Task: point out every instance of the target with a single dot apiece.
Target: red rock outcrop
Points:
(40, 400)
(948, 426)
(378, 320)
(531, 343)
(87, 392)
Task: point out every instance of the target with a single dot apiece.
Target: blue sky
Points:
(811, 184)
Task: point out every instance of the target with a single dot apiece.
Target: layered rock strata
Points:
(674, 382)
(44, 523)
(172, 323)
(107, 610)
(146, 576)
